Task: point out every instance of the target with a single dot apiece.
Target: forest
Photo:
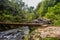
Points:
(16, 11)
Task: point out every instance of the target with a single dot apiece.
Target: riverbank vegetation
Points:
(50, 9)
(17, 11)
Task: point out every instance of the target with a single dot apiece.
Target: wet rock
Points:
(42, 21)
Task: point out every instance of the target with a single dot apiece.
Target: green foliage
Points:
(54, 14)
(32, 28)
(50, 9)
(42, 10)
(15, 11)
(25, 37)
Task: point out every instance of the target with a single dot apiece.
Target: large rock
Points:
(42, 21)
(45, 32)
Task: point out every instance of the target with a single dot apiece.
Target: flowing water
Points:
(15, 34)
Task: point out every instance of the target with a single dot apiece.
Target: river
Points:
(15, 34)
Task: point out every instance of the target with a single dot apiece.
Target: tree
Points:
(49, 9)
(43, 7)
(54, 14)
(11, 10)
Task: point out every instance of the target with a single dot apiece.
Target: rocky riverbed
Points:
(50, 31)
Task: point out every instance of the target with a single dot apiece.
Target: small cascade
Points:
(14, 34)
